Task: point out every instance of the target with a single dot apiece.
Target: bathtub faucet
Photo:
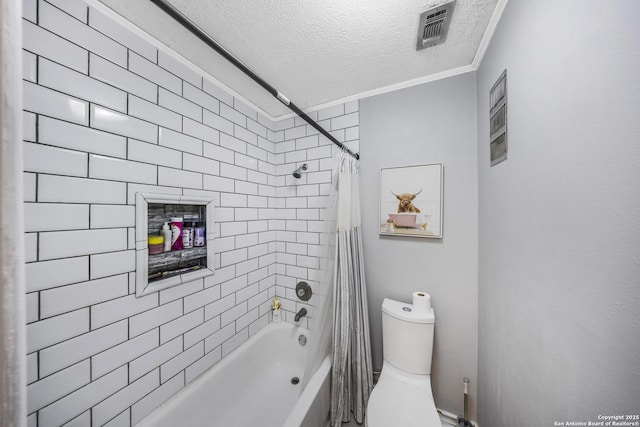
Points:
(300, 314)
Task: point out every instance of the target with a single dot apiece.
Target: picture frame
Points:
(411, 201)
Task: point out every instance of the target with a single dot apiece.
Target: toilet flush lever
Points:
(406, 309)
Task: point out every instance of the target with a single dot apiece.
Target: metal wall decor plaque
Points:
(498, 120)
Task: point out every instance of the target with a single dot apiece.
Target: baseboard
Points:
(448, 418)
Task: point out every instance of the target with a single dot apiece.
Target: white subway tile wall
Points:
(107, 115)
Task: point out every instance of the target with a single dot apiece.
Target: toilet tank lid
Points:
(407, 312)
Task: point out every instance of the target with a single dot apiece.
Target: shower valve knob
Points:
(303, 291)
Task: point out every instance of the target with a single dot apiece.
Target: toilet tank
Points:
(407, 336)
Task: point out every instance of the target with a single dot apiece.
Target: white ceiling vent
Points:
(434, 24)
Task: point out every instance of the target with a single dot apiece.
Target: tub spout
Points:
(300, 314)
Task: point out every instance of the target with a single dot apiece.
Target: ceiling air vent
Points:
(434, 24)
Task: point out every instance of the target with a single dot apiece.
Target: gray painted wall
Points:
(431, 123)
(559, 296)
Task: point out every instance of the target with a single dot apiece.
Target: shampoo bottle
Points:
(166, 233)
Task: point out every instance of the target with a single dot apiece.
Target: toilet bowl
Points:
(403, 396)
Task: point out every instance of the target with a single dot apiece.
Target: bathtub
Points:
(252, 387)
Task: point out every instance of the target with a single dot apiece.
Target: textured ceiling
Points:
(314, 52)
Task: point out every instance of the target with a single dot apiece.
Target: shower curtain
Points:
(351, 381)
(13, 407)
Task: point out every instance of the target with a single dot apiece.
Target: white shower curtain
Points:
(13, 408)
(351, 381)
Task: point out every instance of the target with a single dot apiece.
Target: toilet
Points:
(403, 396)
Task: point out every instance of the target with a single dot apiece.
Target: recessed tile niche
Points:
(155, 272)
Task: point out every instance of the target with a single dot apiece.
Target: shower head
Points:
(298, 172)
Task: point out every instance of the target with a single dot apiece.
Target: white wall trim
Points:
(488, 34)
(143, 287)
(449, 418)
(391, 88)
(13, 372)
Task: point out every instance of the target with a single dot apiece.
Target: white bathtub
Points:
(252, 387)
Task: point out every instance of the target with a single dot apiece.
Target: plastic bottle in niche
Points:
(176, 233)
(166, 233)
(199, 238)
(192, 227)
(188, 232)
(187, 236)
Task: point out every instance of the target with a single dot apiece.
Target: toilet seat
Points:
(398, 401)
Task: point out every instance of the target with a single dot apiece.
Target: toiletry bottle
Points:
(166, 233)
(187, 236)
(276, 305)
(192, 226)
(188, 231)
(176, 233)
(156, 244)
(199, 238)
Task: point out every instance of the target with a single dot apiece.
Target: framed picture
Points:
(411, 201)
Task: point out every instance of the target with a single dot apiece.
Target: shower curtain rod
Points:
(170, 10)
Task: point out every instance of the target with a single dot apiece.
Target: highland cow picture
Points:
(411, 200)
